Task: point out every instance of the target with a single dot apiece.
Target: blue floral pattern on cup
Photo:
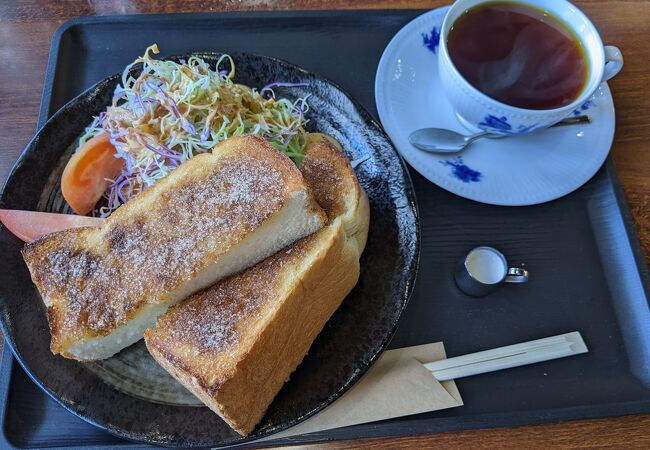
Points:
(584, 107)
(432, 40)
(496, 123)
(500, 125)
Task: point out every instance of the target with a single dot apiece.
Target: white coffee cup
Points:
(477, 111)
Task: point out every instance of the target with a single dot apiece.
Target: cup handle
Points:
(613, 62)
(516, 275)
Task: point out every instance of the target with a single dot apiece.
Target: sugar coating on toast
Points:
(233, 207)
(234, 344)
(211, 320)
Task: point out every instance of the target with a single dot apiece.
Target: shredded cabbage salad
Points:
(172, 112)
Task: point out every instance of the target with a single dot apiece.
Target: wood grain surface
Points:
(626, 433)
(26, 29)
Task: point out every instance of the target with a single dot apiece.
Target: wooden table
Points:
(26, 28)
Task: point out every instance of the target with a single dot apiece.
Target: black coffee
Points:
(519, 55)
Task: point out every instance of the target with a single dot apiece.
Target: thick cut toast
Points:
(235, 344)
(215, 215)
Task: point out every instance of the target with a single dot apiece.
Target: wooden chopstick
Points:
(539, 350)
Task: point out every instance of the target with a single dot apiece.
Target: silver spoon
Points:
(440, 140)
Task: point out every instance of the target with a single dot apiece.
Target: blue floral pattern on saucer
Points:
(461, 171)
(431, 40)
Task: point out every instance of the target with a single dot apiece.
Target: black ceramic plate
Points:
(128, 394)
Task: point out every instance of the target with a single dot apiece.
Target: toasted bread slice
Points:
(215, 215)
(236, 343)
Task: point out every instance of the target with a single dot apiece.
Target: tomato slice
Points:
(29, 225)
(84, 178)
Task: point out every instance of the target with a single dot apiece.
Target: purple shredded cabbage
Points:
(300, 113)
(120, 187)
(111, 194)
(167, 149)
(164, 154)
(140, 102)
(163, 151)
(289, 135)
(187, 126)
(115, 136)
(205, 133)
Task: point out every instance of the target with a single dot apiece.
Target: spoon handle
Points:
(573, 120)
(562, 123)
(472, 138)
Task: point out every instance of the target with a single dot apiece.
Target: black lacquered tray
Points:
(588, 272)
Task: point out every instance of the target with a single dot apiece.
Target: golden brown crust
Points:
(225, 370)
(96, 279)
(335, 186)
(235, 344)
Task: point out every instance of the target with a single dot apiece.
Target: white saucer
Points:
(515, 171)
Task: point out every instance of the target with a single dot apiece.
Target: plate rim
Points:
(411, 271)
